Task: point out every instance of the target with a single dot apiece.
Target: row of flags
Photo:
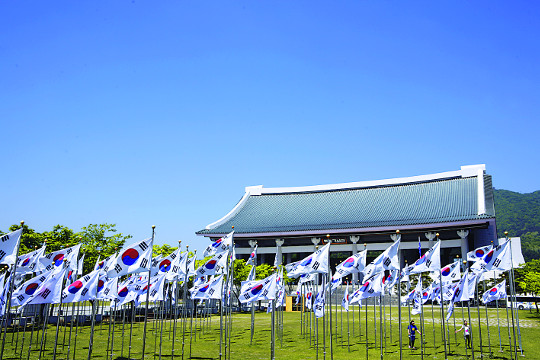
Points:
(53, 268)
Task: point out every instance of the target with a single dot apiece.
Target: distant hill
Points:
(519, 214)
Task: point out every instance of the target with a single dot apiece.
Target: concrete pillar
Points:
(315, 242)
(279, 258)
(430, 236)
(464, 235)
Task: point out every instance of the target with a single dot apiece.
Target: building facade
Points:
(457, 205)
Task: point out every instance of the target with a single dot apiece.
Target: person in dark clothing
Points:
(412, 329)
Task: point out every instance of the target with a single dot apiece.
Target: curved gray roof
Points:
(426, 202)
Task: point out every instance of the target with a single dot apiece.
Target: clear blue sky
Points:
(161, 112)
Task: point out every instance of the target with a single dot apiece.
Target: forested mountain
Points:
(519, 214)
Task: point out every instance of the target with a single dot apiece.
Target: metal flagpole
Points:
(148, 292)
(330, 300)
(367, 332)
(383, 300)
(58, 313)
(469, 315)
(513, 292)
(123, 327)
(133, 318)
(220, 325)
(397, 237)
(112, 335)
(381, 324)
(95, 304)
(499, 326)
(316, 322)
(273, 331)
(479, 322)
(487, 321)
(508, 328)
(43, 332)
(348, 332)
(375, 322)
(31, 336)
(442, 314)
(352, 292)
(176, 293)
(7, 311)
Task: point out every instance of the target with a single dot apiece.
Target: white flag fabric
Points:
(27, 263)
(391, 279)
(309, 298)
(345, 300)
(251, 276)
(157, 284)
(471, 284)
(318, 307)
(449, 273)
(253, 257)
(107, 289)
(314, 263)
(387, 260)
(210, 290)
(371, 287)
(353, 264)
(105, 263)
(462, 291)
(479, 253)
(80, 265)
(133, 259)
(84, 289)
(430, 261)
(4, 296)
(26, 290)
(9, 243)
(307, 278)
(170, 265)
(497, 292)
(220, 245)
(498, 258)
(264, 289)
(211, 266)
(55, 260)
(49, 292)
(335, 282)
(416, 308)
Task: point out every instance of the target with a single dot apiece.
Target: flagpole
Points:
(148, 291)
(487, 320)
(330, 300)
(513, 292)
(176, 293)
(508, 328)
(10, 290)
(442, 312)
(397, 237)
(469, 314)
(479, 322)
(58, 311)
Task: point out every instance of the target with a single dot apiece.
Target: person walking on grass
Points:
(467, 333)
(412, 329)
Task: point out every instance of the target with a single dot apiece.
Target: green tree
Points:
(99, 241)
(163, 250)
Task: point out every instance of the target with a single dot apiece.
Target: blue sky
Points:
(139, 113)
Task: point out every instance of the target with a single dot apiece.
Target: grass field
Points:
(293, 344)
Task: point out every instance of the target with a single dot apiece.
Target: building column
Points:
(315, 242)
(430, 236)
(464, 235)
(279, 258)
(252, 243)
(354, 240)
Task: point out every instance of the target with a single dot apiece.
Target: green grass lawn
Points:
(294, 343)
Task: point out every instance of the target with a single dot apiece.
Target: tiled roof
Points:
(428, 202)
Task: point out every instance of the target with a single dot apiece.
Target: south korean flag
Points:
(157, 284)
(220, 245)
(353, 264)
(49, 292)
(84, 289)
(133, 259)
(479, 253)
(498, 258)
(264, 289)
(9, 243)
(388, 260)
(371, 287)
(449, 273)
(211, 267)
(55, 260)
(253, 257)
(345, 300)
(107, 289)
(26, 290)
(430, 261)
(27, 263)
(314, 263)
(497, 292)
(209, 290)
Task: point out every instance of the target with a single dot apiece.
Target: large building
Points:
(458, 205)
